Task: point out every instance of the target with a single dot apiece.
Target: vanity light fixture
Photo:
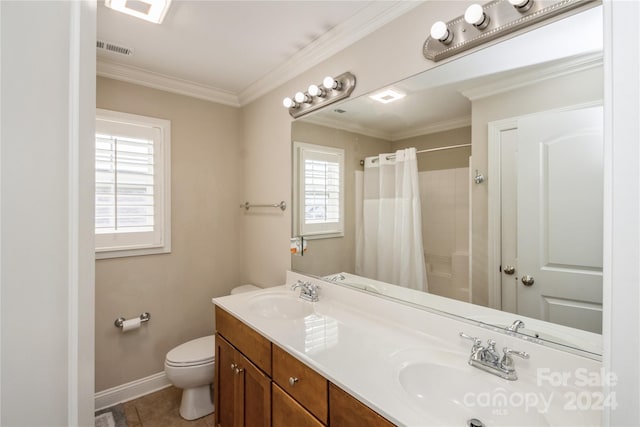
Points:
(494, 19)
(318, 91)
(317, 96)
(149, 10)
(331, 84)
(387, 96)
(521, 5)
(302, 98)
(440, 32)
(475, 16)
(290, 103)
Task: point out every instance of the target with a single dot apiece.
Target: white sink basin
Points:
(441, 384)
(280, 305)
(454, 393)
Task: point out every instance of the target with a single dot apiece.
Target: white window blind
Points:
(132, 188)
(124, 184)
(320, 188)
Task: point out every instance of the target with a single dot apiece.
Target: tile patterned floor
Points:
(161, 409)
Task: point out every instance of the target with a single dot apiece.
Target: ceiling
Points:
(234, 51)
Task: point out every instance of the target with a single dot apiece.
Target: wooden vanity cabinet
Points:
(242, 390)
(246, 395)
(347, 411)
(287, 412)
(242, 385)
(305, 385)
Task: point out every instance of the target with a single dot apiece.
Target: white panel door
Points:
(560, 207)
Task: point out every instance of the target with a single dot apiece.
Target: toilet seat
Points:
(200, 351)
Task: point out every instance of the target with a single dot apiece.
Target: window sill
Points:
(322, 236)
(121, 253)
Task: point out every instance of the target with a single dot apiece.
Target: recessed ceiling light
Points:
(387, 96)
(149, 10)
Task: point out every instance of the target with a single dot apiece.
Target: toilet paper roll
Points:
(130, 324)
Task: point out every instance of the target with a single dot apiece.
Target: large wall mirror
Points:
(478, 193)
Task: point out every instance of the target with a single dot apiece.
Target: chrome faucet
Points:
(489, 360)
(515, 326)
(308, 290)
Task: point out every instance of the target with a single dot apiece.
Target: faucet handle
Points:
(477, 342)
(506, 363)
(507, 352)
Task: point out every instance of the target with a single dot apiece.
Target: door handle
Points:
(527, 280)
(509, 269)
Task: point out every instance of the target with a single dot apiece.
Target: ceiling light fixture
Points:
(317, 96)
(149, 10)
(387, 96)
(494, 19)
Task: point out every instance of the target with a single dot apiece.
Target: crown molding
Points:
(368, 20)
(561, 68)
(392, 137)
(436, 127)
(155, 80)
(346, 126)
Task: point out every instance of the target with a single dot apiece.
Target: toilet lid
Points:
(194, 352)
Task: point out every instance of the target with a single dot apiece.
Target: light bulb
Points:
(316, 91)
(521, 5)
(439, 31)
(331, 83)
(301, 97)
(475, 16)
(289, 103)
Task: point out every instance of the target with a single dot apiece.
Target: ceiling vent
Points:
(114, 48)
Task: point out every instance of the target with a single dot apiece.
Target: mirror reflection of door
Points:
(551, 239)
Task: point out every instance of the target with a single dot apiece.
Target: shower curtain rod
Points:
(430, 150)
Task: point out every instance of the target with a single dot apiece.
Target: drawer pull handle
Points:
(292, 381)
(238, 370)
(233, 366)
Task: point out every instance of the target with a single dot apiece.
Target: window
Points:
(133, 185)
(320, 194)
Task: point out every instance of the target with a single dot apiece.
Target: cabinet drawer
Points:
(347, 411)
(303, 383)
(250, 343)
(287, 412)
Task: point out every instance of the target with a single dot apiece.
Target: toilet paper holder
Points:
(144, 317)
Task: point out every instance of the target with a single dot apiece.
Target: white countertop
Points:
(361, 343)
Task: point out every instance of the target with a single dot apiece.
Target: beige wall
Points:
(572, 89)
(326, 256)
(445, 159)
(175, 288)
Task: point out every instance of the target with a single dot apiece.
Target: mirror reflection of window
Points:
(320, 198)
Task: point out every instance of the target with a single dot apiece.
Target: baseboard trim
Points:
(130, 390)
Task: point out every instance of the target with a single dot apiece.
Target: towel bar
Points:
(282, 205)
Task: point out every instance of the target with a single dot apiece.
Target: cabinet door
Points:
(347, 411)
(254, 396)
(224, 384)
(287, 412)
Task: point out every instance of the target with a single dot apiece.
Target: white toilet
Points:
(191, 366)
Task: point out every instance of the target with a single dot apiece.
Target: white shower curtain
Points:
(389, 239)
